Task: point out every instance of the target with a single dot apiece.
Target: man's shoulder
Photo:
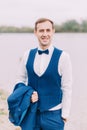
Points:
(27, 52)
(65, 53)
(65, 56)
(58, 51)
(33, 49)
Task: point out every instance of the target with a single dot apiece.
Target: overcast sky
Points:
(26, 12)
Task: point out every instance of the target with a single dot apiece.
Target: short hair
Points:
(41, 20)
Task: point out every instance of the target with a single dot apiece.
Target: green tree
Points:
(84, 26)
(70, 26)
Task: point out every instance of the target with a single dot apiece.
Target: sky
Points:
(26, 12)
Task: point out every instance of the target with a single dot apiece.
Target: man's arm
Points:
(22, 76)
(65, 70)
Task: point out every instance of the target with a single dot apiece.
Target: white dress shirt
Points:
(64, 69)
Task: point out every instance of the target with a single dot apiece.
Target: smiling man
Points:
(44, 33)
(48, 71)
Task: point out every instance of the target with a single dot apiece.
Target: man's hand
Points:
(34, 97)
(64, 119)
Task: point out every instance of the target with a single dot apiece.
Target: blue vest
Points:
(48, 85)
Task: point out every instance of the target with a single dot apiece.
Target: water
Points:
(12, 48)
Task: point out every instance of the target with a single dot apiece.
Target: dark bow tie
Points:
(45, 51)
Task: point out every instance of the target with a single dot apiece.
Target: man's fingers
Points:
(34, 97)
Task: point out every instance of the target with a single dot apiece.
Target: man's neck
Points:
(45, 47)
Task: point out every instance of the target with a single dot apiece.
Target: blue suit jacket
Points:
(21, 111)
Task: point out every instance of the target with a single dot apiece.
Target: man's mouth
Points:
(44, 39)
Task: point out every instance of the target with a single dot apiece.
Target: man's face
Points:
(44, 33)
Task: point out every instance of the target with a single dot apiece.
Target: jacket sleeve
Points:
(19, 102)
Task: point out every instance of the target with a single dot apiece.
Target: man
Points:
(48, 71)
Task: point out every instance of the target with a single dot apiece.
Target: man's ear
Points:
(54, 30)
(34, 31)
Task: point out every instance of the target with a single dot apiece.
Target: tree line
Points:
(68, 26)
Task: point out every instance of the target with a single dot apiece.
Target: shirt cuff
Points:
(65, 114)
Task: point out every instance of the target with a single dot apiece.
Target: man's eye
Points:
(48, 30)
(41, 30)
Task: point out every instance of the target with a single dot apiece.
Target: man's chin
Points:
(45, 43)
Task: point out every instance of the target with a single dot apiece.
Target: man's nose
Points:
(44, 33)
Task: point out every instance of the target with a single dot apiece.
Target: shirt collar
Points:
(51, 48)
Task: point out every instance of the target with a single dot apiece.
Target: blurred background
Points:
(17, 18)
